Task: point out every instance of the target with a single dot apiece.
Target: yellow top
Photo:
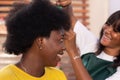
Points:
(11, 72)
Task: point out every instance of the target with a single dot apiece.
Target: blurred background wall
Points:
(97, 13)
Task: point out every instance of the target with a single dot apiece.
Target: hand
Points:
(67, 7)
(63, 3)
(70, 43)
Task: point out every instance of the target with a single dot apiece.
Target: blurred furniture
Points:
(5, 59)
(80, 9)
(6, 5)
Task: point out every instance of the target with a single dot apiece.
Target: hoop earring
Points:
(39, 43)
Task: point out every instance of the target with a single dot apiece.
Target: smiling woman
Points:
(35, 32)
(105, 59)
(53, 47)
(111, 38)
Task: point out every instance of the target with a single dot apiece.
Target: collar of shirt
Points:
(105, 56)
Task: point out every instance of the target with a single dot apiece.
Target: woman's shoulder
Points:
(57, 73)
(5, 72)
(6, 68)
(88, 54)
(53, 69)
(115, 76)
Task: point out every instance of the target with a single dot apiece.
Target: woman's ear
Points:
(39, 42)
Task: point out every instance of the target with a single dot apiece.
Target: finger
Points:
(69, 35)
(63, 3)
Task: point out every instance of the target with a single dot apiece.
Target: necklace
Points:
(23, 67)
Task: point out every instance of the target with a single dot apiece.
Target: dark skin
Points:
(70, 43)
(72, 50)
(41, 54)
(109, 37)
(34, 56)
(36, 70)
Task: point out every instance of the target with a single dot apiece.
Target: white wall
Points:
(114, 6)
(100, 10)
(98, 14)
